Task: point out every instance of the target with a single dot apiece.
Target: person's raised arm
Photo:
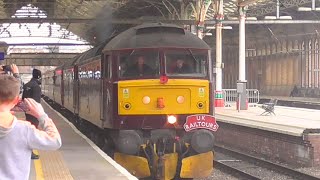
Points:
(47, 136)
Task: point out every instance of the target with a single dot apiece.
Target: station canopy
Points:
(92, 21)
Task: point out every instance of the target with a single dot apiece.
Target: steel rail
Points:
(234, 171)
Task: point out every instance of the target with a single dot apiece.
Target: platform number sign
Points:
(126, 93)
(201, 92)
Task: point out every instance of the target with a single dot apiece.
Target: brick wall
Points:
(297, 151)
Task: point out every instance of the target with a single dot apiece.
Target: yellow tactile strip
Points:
(53, 166)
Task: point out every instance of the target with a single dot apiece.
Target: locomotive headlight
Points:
(172, 119)
(146, 100)
(180, 99)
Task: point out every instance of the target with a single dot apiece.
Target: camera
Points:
(6, 68)
(21, 106)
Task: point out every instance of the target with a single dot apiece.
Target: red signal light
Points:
(163, 79)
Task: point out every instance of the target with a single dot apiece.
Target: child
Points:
(18, 138)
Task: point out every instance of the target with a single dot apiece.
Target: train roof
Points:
(93, 52)
(96, 51)
(69, 62)
(155, 35)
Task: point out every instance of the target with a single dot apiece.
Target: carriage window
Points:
(139, 64)
(185, 62)
(106, 67)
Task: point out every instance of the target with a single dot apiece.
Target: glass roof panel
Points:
(34, 33)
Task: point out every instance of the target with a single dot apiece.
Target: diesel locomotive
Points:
(149, 91)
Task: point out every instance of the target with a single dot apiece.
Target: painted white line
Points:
(99, 151)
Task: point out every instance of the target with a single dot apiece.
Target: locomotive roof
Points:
(154, 35)
(96, 51)
(69, 63)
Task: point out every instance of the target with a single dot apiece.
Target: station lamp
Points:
(312, 8)
(247, 18)
(278, 14)
(223, 27)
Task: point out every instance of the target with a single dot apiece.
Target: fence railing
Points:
(231, 96)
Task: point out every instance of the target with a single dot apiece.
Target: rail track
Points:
(242, 174)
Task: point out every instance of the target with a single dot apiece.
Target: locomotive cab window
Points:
(186, 62)
(139, 64)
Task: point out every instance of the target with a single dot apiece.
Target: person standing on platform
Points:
(32, 90)
(18, 138)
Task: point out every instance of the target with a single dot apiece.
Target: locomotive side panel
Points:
(107, 91)
(57, 86)
(50, 84)
(68, 89)
(89, 92)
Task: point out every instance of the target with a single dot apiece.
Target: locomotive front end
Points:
(173, 123)
(161, 102)
(165, 117)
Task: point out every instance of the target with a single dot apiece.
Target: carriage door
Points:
(76, 90)
(62, 87)
(106, 87)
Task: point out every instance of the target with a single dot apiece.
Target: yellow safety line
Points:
(38, 167)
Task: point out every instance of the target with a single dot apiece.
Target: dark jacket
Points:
(32, 90)
(184, 69)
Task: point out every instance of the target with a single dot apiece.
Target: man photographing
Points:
(18, 138)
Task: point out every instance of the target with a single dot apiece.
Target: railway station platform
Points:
(78, 158)
(291, 136)
(301, 102)
(293, 99)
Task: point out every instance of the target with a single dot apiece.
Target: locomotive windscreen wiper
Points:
(194, 58)
(130, 55)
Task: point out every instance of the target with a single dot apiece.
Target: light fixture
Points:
(180, 99)
(223, 27)
(146, 100)
(251, 18)
(306, 9)
(286, 17)
(312, 8)
(278, 14)
(247, 18)
(280, 17)
(171, 119)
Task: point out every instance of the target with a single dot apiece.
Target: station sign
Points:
(2, 56)
(201, 121)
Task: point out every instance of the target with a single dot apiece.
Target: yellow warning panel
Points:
(125, 93)
(198, 166)
(201, 92)
(137, 166)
